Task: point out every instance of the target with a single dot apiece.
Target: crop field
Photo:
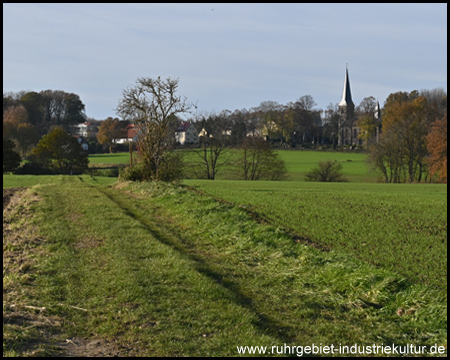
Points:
(98, 268)
(298, 163)
(402, 227)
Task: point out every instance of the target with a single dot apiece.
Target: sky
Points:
(226, 56)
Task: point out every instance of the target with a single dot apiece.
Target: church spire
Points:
(346, 94)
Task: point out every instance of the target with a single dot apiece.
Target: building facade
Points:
(186, 134)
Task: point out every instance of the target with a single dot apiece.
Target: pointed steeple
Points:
(346, 94)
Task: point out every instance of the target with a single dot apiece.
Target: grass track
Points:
(168, 272)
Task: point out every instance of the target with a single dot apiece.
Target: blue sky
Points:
(226, 56)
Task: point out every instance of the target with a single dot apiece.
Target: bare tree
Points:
(150, 105)
(259, 160)
(213, 152)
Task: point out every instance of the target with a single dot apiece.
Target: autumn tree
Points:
(17, 128)
(367, 120)
(12, 116)
(150, 105)
(109, 131)
(437, 147)
(405, 122)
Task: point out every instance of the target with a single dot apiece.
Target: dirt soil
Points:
(28, 328)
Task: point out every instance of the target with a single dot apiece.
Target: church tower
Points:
(346, 113)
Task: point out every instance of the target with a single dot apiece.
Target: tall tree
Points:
(34, 103)
(62, 109)
(213, 152)
(367, 121)
(307, 120)
(331, 123)
(437, 147)
(11, 159)
(109, 131)
(17, 128)
(258, 160)
(150, 105)
(405, 122)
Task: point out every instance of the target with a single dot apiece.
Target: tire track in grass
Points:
(163, 234)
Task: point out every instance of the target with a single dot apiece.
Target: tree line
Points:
(412, 146)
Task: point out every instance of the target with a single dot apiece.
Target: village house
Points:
(86, 130)
(129, 135)
(186, 134)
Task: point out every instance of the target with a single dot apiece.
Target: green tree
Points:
(11, 159)
(34, 104)
(60, 152)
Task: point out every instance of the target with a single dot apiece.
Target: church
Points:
(349, 129)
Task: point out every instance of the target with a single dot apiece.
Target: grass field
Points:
(115, 158)
(402, 227)
(157, 270)
(298, 163)
(93, 267)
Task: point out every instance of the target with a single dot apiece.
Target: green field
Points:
(298, 163)
(402, 227)
(158, 270)
(115, 158)
(203, 267)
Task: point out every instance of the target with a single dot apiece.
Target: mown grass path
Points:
(163, 271)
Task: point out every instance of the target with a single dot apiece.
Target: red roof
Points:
(184, 126)
(131, 131)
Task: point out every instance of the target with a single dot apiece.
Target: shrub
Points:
(171, 169)
(326, 171)
(11, 159)
(34, 168)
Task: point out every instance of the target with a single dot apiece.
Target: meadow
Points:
(150, 269)
(298, 163)
(202, 267)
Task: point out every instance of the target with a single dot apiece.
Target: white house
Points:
(186, 133)
(86, 129)
(129, 135)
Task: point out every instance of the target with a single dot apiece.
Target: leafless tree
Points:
(150, 105)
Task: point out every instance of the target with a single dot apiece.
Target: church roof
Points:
(346, 94)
